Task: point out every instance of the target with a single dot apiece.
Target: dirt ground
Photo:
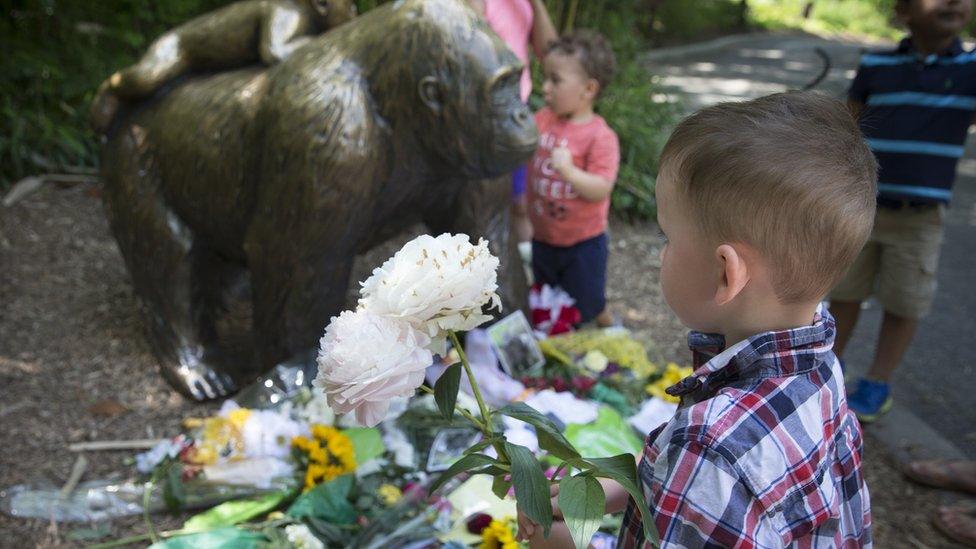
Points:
(74, 365)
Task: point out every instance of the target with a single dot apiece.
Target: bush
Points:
(55, 55)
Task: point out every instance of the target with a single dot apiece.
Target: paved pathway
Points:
(937, 382)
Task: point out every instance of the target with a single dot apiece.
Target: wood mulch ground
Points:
(74, 365)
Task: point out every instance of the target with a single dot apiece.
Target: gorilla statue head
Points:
(446, 74)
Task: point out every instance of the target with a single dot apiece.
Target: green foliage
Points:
(643, 119)
(54, 55)
(874, 18)
(691, 20)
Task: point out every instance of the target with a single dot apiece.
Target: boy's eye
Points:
(662, 236)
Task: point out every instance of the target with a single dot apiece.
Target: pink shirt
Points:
(512, 21)
(559, 216)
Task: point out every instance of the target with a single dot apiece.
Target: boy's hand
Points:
(562, 160)
(527, 528)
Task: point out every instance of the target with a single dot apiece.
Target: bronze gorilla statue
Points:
(262, 184)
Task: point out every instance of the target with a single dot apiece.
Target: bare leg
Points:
(896, 335)
(845, 314)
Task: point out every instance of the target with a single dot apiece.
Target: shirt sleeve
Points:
(701, 501)
(603, 158)
(859, 86)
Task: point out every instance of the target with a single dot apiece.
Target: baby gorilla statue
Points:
(233, 36)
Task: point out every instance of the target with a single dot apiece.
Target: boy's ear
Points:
(592, 88)
(734, 271)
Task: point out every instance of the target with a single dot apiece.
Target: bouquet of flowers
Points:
(409, 308)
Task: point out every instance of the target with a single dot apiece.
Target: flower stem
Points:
(485, 415)
(459, 409)
(146, 492)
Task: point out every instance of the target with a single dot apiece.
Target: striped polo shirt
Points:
(917, 111)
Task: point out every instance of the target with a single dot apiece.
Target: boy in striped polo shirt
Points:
(915, 105)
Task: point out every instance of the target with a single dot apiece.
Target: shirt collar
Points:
(908, 47)
(760, 356)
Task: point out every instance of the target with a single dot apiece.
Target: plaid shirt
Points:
(762, 452)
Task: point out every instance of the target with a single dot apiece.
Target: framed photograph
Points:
(516, 347)
(448, 446)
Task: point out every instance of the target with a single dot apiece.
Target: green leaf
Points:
(466, 463)
(500, 486)
(234, 512)
(328, 501)
(173, 493)
(550, 438)
(531, 485)
(223, 538)
(446, 390)
(623, 469)
(367, 443)
(583, 503)
(480, 446)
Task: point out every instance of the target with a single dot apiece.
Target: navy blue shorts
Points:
(580, 269)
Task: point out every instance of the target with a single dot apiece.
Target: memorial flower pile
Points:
(409, 308)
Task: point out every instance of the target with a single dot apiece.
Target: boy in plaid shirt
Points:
(763, 205)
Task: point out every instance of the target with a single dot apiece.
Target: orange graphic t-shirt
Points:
(559, 216)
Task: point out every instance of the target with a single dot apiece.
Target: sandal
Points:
(948, 474)
(958, 523)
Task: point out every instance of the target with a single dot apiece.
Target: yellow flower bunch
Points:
(330, 454)
(500, 534)
(219, 436)
(389, 494)
(616, 347)
(672, 374)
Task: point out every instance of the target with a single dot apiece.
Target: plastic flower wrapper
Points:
(435, 284)
(440, 285)
(366, 360)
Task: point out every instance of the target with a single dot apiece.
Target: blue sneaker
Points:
(869, 400)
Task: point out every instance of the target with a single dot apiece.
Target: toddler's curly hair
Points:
(592, 50)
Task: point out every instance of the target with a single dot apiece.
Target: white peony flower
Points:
(366, 360)
(435, 284)
(302, 538)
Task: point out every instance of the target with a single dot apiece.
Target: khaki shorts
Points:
(898, 263)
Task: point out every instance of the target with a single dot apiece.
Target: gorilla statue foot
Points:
(193, 377)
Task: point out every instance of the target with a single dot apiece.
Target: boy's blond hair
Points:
(789, 174)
